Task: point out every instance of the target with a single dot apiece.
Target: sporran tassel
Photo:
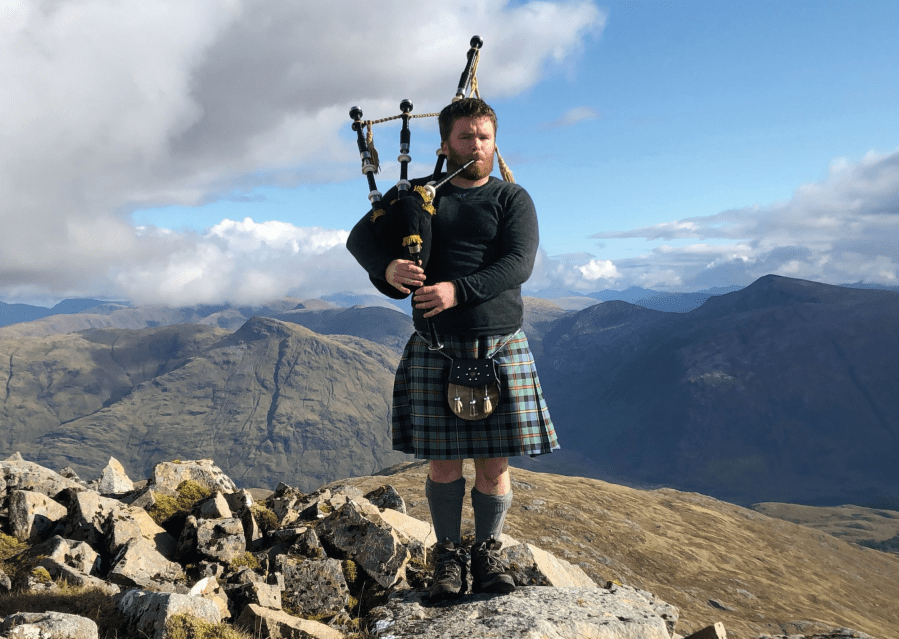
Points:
(488, 405)
(457, 405)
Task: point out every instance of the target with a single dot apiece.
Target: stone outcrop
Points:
(352, 564)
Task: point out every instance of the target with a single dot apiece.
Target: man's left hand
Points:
(435, 299)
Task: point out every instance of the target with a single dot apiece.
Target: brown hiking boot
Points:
(449, 574)
(488, 572)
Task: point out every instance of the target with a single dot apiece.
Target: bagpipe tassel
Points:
(411, 240)
(373, 152)
(504, 169)
(488, 405)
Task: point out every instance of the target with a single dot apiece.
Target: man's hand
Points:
(403, 273)
(437, 298)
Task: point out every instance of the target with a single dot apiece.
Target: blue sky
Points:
(672, 145)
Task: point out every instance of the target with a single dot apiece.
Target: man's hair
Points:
(464, 108)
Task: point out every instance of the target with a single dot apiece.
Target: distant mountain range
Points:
(782, 391)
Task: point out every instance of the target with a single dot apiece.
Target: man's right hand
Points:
(403, 273)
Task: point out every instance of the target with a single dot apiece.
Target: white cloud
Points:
(113, 105)
(841, 230)
(574, 116)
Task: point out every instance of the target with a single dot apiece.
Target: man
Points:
(484, 241)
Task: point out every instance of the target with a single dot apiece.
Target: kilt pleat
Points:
(424, 425)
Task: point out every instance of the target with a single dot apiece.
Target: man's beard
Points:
(475, 172)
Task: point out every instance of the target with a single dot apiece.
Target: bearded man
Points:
(484, 241)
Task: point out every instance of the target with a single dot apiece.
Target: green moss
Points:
(265, 517)
(41, 575)
(166, 506)
(246, 560)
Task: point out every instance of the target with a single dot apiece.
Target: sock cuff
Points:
(491, 503)
(449, 490)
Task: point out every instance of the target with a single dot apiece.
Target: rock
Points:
(532, 566)
(114, 480)
(32, 515)
(63, 572)
(209, 588)
(169, 475)
(315, 586)
(216, 507)
(264, 622)
(139, 564)
(88, 513)
(362, 533)
(5, 582)
(387, 497)
(239, 501)
(17, 474)
(48, 625)
(216, 539)
(711, 632)
(76, 554)
(146, 613)
(125, 523)
(533, 612)
(259, 594)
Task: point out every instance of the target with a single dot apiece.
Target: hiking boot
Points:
(487, 569)
(449, 574)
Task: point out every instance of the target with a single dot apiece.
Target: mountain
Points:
(272, 401)
(715, 561)
(782, 391)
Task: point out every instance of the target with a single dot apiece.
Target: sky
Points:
(170, 152)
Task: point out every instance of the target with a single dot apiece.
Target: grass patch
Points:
(188, 627)
(265, 518)
(246, 560)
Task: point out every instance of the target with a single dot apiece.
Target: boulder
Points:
(265, 622)
(125, 523)
(532, 566)
(209, 588)
(386, 497)
(146, 613)
(169, 475)
(259, 594)
(48, 625)
(220, 540)
(17, 474)
(139, 564)
(114, 480)
(33, 515)
(361, 532)
(533, 612)
(315, 586)
(216, 507)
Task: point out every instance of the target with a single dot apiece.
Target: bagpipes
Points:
(403, 227)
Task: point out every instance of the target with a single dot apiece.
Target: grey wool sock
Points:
(489, 514)
(445, 504)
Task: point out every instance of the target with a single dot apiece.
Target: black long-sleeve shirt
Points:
(484, 241)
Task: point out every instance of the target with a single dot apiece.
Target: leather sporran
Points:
(473, 389)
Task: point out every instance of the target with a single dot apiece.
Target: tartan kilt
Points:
(424, 425)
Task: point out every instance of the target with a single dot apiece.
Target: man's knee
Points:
(444, 471)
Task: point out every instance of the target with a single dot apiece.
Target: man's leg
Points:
(445, 489)
(491, 498)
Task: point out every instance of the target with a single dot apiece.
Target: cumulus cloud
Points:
(113, 106)
(840, 230)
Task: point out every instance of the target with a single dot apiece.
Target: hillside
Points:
(713, 560)
(271, 400)
(783, 391)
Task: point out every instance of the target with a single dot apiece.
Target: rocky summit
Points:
(188, 550)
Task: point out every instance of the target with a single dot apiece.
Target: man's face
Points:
(471, 139)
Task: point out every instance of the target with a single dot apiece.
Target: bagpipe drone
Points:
(403, 227)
